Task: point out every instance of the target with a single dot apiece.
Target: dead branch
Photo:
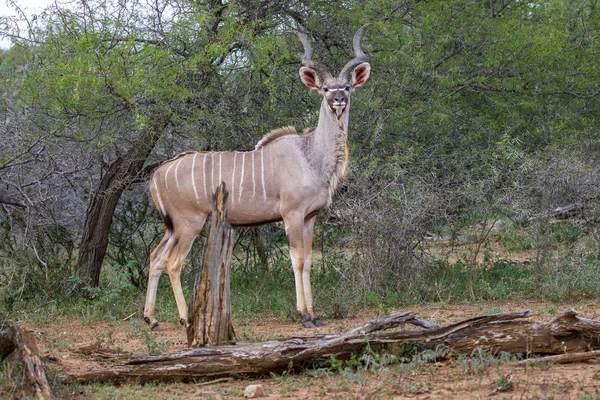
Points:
(562, 358)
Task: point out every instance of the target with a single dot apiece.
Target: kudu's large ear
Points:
(309, 77)
(360, 74)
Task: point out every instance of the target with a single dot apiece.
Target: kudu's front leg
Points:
(300, 235)
(294, 228)
(308, 233)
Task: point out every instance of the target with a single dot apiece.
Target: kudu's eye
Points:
(325, 89)
(347, 88)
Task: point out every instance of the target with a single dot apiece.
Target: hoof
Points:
(318, 322)
(307, 323)
(153, 323)
(183, 322)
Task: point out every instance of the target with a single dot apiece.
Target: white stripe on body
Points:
(271, 160)
(262, 172)
(233, 179)
(242, 179)
(204, 175)
(220, 163)
(193, 180)
(177, 174)
(160, 202)
(212, 172)
(167, 174)
(253, 178)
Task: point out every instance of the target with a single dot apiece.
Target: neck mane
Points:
(331, 137)
(327, 146)
(278, 133)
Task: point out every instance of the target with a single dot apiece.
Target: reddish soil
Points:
(72, 346)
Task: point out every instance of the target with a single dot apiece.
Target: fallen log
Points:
(17, 338)
(504, 332)
(277, 356)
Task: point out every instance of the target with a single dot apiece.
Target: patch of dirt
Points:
(74, 346)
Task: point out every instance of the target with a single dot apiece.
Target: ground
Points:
(71, 346)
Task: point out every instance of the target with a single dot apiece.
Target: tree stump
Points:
(16, 337)
(209, 313)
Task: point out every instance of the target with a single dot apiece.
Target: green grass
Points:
(271, 294)
(342, 284)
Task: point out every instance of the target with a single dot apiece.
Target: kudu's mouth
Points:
(338, 108)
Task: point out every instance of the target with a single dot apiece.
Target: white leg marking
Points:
(212, 172)
(193, 180)
(176, 174)
(299, 284)
(167, 174)
(233, 179)
(242, 179)
(204, 175)
(262, 172)
(253, 178)
(308, 299)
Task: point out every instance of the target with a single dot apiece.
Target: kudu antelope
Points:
(289, 176)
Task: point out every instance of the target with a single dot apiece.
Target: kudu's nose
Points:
(339, 99)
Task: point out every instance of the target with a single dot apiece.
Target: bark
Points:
(564, 334)
(18, 338)
(210, 309)
(495, 333)
(119, 175)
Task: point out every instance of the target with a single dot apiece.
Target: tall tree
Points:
(113, 77)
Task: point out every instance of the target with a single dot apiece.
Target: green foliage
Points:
(475, 112)
(12, 377)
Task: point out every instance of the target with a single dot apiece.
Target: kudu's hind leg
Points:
(175, 260)
(157, 266)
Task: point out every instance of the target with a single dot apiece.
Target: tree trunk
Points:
(260, 246)
(210, 309)
(120, 174)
